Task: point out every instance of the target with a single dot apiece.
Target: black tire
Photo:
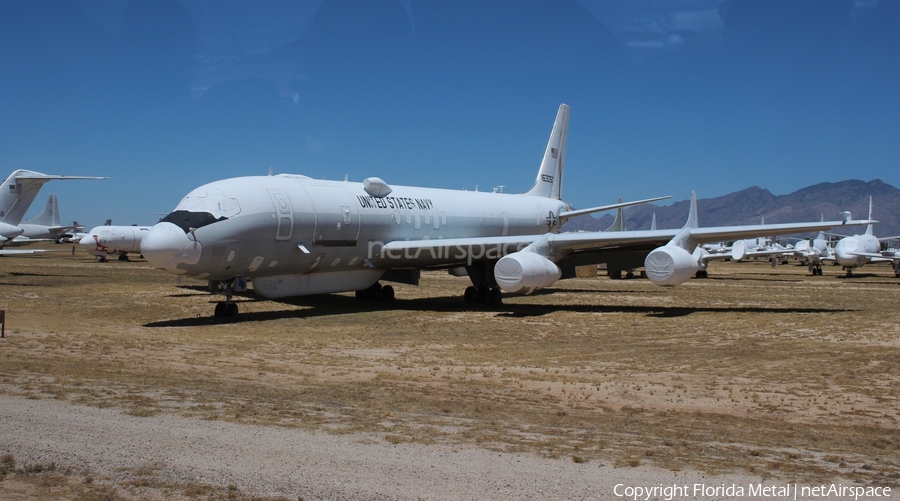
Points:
(469, 295)
(386, 293)
(231, 311)
(220, 310)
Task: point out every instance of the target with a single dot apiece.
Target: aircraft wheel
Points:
(373, 292)
(469, 295)
(386, 293)
(220, 310)
(123, 257)
(702, 274)
(629, 275)
(490, 297)
(103, 260)
(231, 311)
(496, 296)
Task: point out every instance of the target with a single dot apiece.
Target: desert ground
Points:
(117, 383)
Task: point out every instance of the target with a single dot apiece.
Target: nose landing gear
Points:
(228, 309)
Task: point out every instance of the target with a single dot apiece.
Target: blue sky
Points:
(667, 96)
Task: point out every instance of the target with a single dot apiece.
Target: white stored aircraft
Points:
(813, 252)
(47, 225)
(18, 192)
(293, 236)
(106, 240)
(857, 250)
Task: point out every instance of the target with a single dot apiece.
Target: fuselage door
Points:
(284, 214)
(337, 221)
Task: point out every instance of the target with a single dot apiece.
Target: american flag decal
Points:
(553, 152)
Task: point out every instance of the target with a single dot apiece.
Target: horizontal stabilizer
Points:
(876, 258)
(37, 176)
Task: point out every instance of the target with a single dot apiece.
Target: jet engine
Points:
(670, 265)
(525, 272)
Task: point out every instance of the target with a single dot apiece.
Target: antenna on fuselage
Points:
(270, 171)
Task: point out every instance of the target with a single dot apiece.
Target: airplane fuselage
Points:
(106, 240)
(289, 226)
(856, 243)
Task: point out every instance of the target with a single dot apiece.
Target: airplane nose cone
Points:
(842, 253)
(166, 246)
(88, 242)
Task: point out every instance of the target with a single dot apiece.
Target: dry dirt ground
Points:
(753, 374)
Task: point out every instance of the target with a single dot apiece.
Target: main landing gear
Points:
(489, 296)
(377, 292)
(701, 274)
(815, 269)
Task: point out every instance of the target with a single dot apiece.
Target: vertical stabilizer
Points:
(50, 216)
(653, 223)
(683, 238)
(619, 223)
(692, 221)
(870, 229)
(549, 179)
(20, 189)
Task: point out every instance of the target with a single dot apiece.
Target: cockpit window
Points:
(213, 201)
(187, 220)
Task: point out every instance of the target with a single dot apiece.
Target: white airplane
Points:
(813, 252)
(107, 239)
(293, 236)
(855, 251)
(46, 226)
(808, 251)
(18, 192)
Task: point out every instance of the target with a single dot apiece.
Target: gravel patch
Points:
(274, 461)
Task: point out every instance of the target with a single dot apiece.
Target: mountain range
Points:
(750, 205)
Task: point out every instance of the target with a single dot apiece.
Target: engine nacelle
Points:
(670, 265)
(525, 272)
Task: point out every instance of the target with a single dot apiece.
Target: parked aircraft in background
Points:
(855, 251)
(106, 240)
(46, 226)
(18, 192)
(813, 251)
(293, 235)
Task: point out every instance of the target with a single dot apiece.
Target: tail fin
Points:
(692, 221)
(20, 189)
(50, 216)
(870, 229)
(549, 179)
(683, 238)
(619, 222)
